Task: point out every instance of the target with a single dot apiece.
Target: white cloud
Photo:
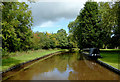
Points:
(47, 24)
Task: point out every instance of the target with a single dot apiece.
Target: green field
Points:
(20, 57)
(110, 56)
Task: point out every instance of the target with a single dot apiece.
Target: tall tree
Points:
(86, 27)
(16, 23)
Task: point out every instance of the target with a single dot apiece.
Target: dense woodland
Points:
(97, 25)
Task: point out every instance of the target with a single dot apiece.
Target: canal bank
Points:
(25, 65)
(109, 67)
(20, 57)
(109, 58)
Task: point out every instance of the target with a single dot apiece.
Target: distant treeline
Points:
(54, 40)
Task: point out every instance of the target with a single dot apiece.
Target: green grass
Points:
(20, 57)
(110, 56)
(109, 50)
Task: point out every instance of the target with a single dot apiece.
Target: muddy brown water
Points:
(67, 66)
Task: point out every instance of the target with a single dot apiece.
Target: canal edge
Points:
(16, 66)
(109, 66)
(24, 68)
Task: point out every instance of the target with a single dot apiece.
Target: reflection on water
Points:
(68, 66)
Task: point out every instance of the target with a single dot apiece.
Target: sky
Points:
(52, 15)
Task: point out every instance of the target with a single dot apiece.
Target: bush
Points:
(4, 52)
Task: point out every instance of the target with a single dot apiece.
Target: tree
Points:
(53, 40)
(62, 38)
(116, 37)
(86, 27)
(73, 29)
(36, 42)
(16, 23)
(72, 43)
(108, 16)
(109, 13)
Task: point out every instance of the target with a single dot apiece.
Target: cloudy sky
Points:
(52, 15)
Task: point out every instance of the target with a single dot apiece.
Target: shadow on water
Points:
(68, 66)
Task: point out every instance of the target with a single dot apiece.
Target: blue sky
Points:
(53, 27)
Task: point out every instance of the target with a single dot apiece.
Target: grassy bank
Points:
(110, 50)
(110, 56)
(20, 57)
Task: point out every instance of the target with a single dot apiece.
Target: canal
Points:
(67, 66)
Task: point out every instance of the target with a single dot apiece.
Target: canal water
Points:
(67, 66)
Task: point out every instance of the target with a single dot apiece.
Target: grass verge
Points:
(27, 67)
(110, 56)
(20, 57)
